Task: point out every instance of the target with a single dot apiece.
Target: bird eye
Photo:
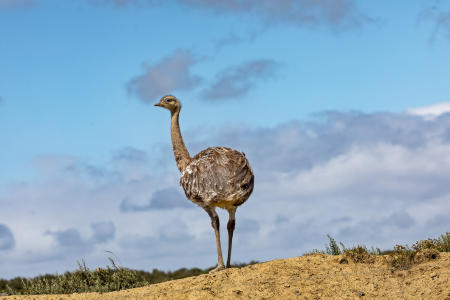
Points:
(169, 100)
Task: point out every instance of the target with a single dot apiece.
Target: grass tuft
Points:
(402, 257)
(441, 244)
(109, 279)
(360, 254)
(332, 248)
(82, 280)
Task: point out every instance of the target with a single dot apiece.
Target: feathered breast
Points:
(216, 176)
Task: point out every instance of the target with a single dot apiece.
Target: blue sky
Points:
(341, 107)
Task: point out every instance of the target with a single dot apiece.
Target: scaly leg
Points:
(230, 227)
(215, 224)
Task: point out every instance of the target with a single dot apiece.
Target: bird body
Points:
(218, 177)
(215, 177)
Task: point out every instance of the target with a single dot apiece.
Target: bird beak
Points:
(158, 104)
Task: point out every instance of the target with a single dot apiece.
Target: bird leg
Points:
(216, 225)
(230, 227)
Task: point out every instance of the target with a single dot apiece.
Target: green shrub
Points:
(359, 254)
(402, 257)
(444, 242)
(441, 244)
(332, 248)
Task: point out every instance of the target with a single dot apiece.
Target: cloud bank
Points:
(168, 198)
(6, 238)
(71, 238)
(377, 179)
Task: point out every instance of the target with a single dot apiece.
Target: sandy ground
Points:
(308, 277)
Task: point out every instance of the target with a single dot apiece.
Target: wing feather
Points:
(218, 174)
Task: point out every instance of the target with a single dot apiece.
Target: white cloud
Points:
(236, 81)
(432, 111)
(335, 15)
(172, 73)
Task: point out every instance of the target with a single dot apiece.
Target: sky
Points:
(342, 108)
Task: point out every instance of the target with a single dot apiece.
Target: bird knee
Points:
(230, 225)
(215, 223)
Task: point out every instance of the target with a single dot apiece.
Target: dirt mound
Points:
(307, 277)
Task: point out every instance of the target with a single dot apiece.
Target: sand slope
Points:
(307, 277)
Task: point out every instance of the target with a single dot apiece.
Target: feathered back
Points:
(218, 176)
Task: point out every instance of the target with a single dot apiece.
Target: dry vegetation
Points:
(419, 271)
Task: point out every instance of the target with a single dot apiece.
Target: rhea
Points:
(215, 177)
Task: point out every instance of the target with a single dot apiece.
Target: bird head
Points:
(169, 102)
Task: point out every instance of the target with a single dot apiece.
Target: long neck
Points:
(182, 156)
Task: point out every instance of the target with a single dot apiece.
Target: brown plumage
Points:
(215, 177)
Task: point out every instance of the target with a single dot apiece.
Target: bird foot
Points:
(218, 268)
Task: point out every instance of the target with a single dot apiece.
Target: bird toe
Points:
(218, 268)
